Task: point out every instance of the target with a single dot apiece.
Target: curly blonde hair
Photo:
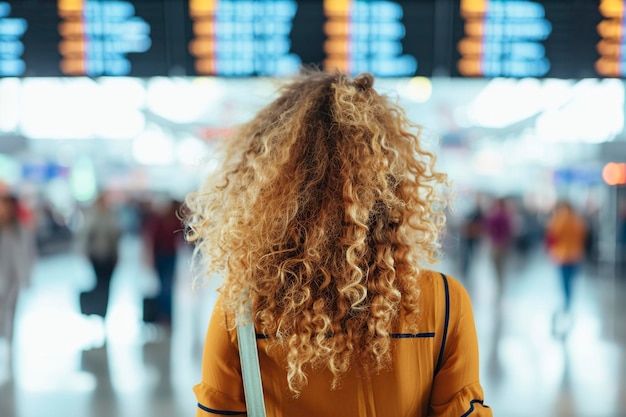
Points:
(323, 212)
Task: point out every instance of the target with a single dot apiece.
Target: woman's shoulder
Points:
(442, 295)
(435, 282)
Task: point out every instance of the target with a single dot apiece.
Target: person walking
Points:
(163, 234)
(498, 226)
(320, 221)
(471, 234)
(17, 258)
(100, 241)
(566, 234)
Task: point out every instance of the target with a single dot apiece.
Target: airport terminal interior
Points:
(126, 102)
(533, 362)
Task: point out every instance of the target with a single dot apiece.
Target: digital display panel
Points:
(241, 38)
(612, 61)
(523, 38)
(503, 39)
(97, 36)
(366, 36)
(39, 41)
(275, 37)
(86, 37)
(12, 30)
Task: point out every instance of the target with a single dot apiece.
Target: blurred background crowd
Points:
(99, 305)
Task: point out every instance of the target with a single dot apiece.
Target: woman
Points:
(325, 210)
(17, 256)
(565, 235)
(100, 240)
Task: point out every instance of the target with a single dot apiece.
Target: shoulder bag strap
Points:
(446, 322)
(250, 369)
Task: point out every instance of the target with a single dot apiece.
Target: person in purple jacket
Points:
(498, 228)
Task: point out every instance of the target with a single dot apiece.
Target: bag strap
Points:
(250, 368)
(444, 336)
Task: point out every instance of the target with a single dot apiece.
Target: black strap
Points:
(442, 348)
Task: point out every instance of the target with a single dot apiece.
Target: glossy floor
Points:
(61, 366)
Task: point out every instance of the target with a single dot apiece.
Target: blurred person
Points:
(163, 237)
(17, 258)
(26, 215)
(498, 226)
(535, 223)
(522, 227)
(591, 215)
(325, 211)
(100, 239)
(621, 238)
(471, 234)
(566, 233)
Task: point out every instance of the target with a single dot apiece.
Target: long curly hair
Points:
(324, 210)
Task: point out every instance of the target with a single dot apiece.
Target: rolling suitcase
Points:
(94, 302)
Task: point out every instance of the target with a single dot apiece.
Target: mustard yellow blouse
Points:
(434, 372)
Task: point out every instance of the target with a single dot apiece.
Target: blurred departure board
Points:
(612, 61)
(12, 30)
(275, 37)
(243, 38)
(83, 38)
(97, 37)
(523, 38)
(29, 39)
(366, 36)
(503, 39)
(240, 38)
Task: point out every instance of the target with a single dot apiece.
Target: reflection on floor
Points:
(62, 366)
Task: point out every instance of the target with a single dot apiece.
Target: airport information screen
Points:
(241, 38)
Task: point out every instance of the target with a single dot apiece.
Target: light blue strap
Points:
(250, 369)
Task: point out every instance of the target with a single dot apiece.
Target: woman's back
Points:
(320, 220)
(414, 385)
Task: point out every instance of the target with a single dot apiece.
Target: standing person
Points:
(471, 233)
(566, 233)
(320, 221)
(100, 241)
(163, 239)
(17, 257)
(621, 239)
(499, 231)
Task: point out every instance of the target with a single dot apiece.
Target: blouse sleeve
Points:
(456, 389)
(221, 390)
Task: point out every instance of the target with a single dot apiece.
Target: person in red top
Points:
(163, 233)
